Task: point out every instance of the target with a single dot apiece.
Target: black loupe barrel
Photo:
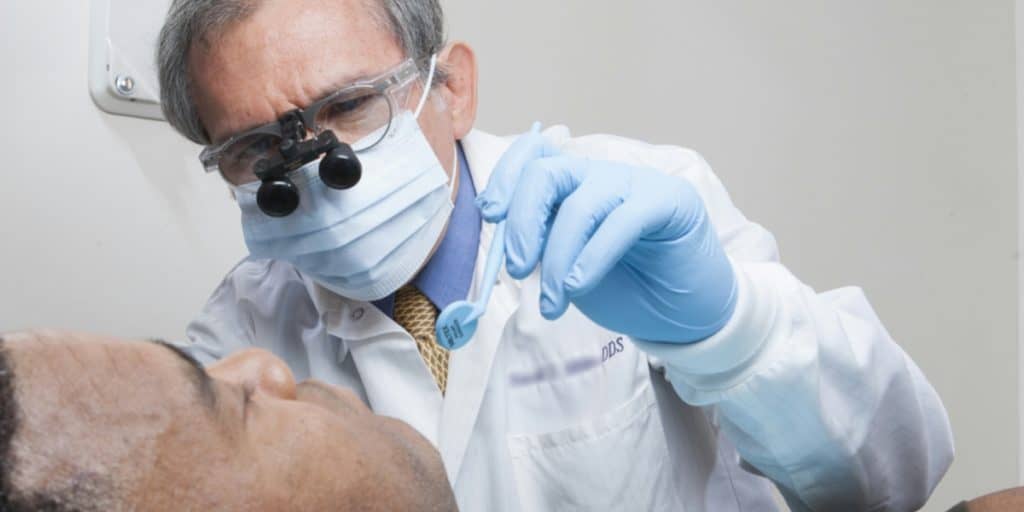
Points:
(340, 169)
(278, 197)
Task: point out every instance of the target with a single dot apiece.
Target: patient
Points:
(90, 423)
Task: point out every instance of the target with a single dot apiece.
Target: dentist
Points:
(644, 349)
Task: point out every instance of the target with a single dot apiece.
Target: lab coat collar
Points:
(482, 152)
(396, 381)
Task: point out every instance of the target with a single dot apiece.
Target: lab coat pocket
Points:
(617, 461)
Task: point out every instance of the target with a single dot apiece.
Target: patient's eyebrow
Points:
(196, 373)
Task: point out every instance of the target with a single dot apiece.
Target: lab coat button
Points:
(358, 313)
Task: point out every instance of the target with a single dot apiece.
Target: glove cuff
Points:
(723, 360)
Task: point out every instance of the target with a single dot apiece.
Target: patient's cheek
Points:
(258, 368)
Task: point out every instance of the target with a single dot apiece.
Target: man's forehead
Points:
(89, 400)
(51, 343)
(55, 363)
(286, 55)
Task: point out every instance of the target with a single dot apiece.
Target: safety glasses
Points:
(359, 114)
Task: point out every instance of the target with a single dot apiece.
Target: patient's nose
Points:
(259, 369)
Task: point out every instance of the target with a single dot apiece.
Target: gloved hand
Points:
(632, 248)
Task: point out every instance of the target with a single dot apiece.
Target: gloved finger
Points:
(494, 200)
(619, 232)
(545, 183)
(577, 219)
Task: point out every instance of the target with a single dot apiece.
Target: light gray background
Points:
(876, 138)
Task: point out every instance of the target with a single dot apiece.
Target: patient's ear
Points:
(460, 90)
(256, 369)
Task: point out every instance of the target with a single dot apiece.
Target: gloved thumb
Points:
(493, 202)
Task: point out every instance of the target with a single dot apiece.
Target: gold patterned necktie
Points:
(417, 315)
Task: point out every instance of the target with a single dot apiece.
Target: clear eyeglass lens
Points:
(238, 161)
(359, 118)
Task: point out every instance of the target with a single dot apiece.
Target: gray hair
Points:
(417, 25)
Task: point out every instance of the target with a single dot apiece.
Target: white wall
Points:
(876, 139)
(1019, 7)
(106, 223)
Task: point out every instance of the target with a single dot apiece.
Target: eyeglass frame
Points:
(396, 78)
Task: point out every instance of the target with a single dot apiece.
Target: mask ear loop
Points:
(419, 110)
(427, 86)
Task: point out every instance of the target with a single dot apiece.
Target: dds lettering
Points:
(613, 347)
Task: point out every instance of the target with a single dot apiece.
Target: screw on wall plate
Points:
(125, 85)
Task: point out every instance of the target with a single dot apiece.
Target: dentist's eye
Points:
(344, 111)
(355, 116)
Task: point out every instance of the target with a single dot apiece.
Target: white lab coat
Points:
(807, 389)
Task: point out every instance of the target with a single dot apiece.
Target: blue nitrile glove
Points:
(632, 248)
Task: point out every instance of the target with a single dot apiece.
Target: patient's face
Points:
(243, 436)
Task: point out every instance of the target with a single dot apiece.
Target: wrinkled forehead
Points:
(285, 55)
(80, 376)
(86, 400)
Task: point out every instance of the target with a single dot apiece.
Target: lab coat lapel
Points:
(483, 151)
(470, 367)
(390, 367)
(470, 371)
(396, 381)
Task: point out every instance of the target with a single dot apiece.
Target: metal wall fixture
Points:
(122, 56)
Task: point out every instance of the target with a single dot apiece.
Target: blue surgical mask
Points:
(365, 242)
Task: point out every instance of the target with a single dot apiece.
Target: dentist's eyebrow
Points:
(321, 94)
(342, 83)
(195, 373)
